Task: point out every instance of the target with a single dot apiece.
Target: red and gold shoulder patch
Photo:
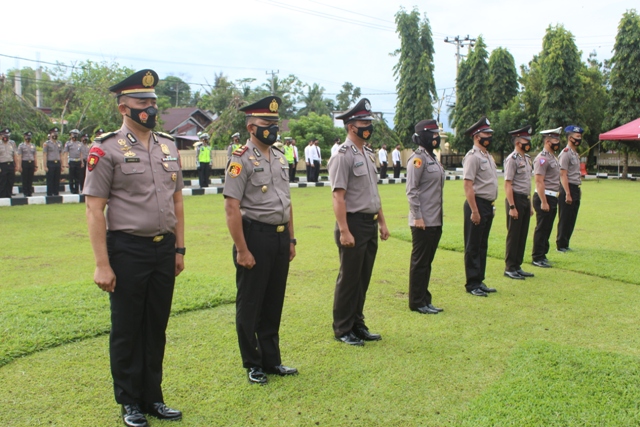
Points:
(417, 163)
(97, 151)
(234, 169)
(240, 151)
(92, 161)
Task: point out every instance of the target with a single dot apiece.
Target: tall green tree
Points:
(289, 89)
(315, 102)
(312, 126)
(20, 115)
(219, 95)
(174, 88)
(593, 101)
(560, 65)
(503, 78)
(531, 95)
(348, 96)
(624, 103)
(415, 86)
(473, 96)
(30, 85)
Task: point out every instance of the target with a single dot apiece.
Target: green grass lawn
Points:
(560, 349)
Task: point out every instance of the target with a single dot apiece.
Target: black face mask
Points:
(146, 117)
(54, 137)
(365, 132)
(526, 146)
(268, 135)
(5, 138)
(428, 141)
(27, 140)
(555, 146)
(74, 138)
(576, 142)
(486, 141)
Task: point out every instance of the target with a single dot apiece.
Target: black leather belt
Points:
(75, 160)
(257, 225)
(151, 239)
(363, 216)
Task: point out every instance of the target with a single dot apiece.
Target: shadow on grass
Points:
(46, 316)
(555, 385)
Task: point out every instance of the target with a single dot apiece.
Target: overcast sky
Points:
(328, 42)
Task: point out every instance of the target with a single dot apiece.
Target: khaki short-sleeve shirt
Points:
(53, 150)
(7, 151)
(570, 161)
(480, 168)
(517, 169)
(260, 184)
(138, 184)
(425, 182)
(74, 148)
(355, 172)
(547, 165)
(27, 152)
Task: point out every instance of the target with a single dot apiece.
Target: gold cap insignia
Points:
(273, 107)
(148, 80)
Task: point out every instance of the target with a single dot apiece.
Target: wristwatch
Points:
(294, 241)
(181, 251)
(512, 206)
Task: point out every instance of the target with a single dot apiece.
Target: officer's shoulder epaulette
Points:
(526, 155)
(543, 153)
(514, 155)
(342, 149)
(368, 149)
(240, 151)
(166, 135)
(566, 149)
(103, 137)
(277, 149)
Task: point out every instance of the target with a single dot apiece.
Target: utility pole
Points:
(460, 42)
(38, 78)
(273, 80)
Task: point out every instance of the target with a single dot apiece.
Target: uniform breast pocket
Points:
(573, 161)
(132, 178)
(359, 169)
(432, 168)
(284, 173)
(171, 175)
(259, 179)
(484, 166)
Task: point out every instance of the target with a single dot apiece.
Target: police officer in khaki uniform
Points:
(51, 158)
(358, 211)
(8, 163)
(260, 221)
(29, 163)
(139, 247)
(73, 160)
(545, 201)
(570, 193)
(425, 182)
(84, 151)
(517, 191)
(481, 190)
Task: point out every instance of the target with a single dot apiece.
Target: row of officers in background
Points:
(56, 157)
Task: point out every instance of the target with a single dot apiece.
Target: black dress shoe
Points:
(363, 333)
(514, 275)
(435, 308)
(426, 310)
(133, 416)
(256, 376)
(281, 370)
(563, 250)
(541, 263)
(162, 411)
(487, 289)
(524, 273)
(351, 339)
(478, 292)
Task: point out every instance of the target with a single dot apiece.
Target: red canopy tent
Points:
(627, 132)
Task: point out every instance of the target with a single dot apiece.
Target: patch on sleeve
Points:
(234, 169)
(92, 161)
(542, 162)
(417, 163)
(96, 150)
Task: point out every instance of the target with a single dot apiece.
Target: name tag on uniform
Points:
(258, 169)
(484, 161)
(431, 163)
(132, 159)
(359, 164)
(170, 159)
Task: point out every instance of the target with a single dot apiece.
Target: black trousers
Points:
(425, 243)
(260, 295)
(310, 173)
(28, 170)
(396, 170)
(316, 170)
(383, 170)
(292, 172)
(476, 242)
(75, 174)
(356, 266)
(567, 215)
(517, 231)
(53, 177)
(544, 225)
(7, 178)
(140, 307)
(204, 171)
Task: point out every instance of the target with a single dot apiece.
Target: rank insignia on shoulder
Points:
(514, 155)
(342, 149)
(368, 149)
(354, 149)
(234, 169)
(104, 136)
(240, 151)
(417, 163)
(526, 155)
(566, 149)
(166, 135)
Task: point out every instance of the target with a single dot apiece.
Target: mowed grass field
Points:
(560, 349)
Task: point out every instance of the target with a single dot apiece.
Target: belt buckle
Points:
(157, 239)
(280, 228)
(375, 217)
